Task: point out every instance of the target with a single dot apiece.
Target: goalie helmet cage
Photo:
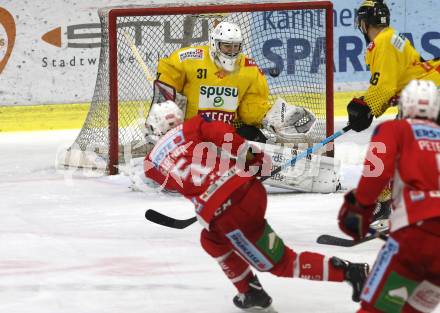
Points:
(296, 38)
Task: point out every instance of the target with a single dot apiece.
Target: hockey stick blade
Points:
(342, 242)
(159, 218)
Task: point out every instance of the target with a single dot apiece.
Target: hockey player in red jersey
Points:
(406, 275)
(194, 159)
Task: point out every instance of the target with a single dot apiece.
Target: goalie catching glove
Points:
(289, 123)
(354, 218)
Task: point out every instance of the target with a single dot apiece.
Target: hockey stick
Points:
(138, 57)
(164, 220)
(310, 150)
(161, 219)
(343, 242)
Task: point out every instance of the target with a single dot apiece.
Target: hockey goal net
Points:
(295, 38)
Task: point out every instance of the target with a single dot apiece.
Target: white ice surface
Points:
(71, 244)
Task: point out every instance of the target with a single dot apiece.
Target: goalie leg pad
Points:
(316, 173)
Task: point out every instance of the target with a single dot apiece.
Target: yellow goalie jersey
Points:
(393, 63)
(242, 94)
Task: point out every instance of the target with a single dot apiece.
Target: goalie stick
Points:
(164, 220)
(343, 242)
(130, 42)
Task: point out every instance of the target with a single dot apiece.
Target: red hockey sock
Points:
(237, 270)
(334, 273)
(307, 265)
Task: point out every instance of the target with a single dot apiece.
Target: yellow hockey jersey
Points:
(393, 63)
(242, 94)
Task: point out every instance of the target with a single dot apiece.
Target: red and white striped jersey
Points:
(407, 151)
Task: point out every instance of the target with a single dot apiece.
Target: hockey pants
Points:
(241, 237)
(406, 274)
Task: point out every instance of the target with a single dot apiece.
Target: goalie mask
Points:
(420, 99)
(162, 117)
(290, 123)
(225, 45)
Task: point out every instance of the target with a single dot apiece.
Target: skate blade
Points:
(380, 225)
(269, 309)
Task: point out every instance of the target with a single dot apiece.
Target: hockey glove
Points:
(256, 160)
(259, 164)
(251, 133)
(359, 114)
(354, 218)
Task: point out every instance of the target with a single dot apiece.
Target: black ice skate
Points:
(381, 216)
(255, 300)
(355, 275)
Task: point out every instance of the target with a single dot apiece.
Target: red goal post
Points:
(295, 37)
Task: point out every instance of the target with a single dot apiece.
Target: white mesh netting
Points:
(293, 41)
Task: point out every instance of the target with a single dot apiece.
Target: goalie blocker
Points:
(316, 173)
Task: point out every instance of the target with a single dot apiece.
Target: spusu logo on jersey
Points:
(218, 102)
(218, 97)
(219, 91)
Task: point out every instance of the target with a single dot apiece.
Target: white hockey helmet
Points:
(420, 99)
(162, 117)
(225, 45)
